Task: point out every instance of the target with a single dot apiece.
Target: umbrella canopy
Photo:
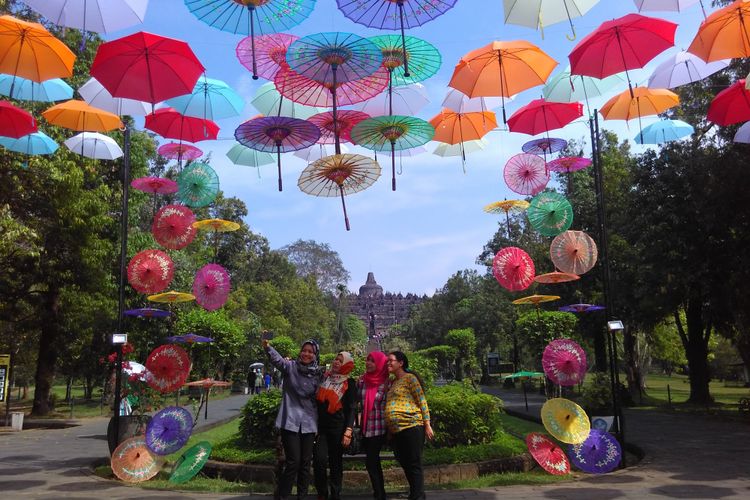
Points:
(423, 58)
(343, 125)
(211, 287)
(598, 454)
(541, 116)
(573, 252)
(37, 143)
(146, 67)
(505, 206)
(643, 102)
(242, 155)
(154, 185)
(526, 174)
(131, 368)
(30, 51)
(270, 53)
(455, 128)
(147, 312)
(210, 99)
(565, 420)
(96, 95)
(190, 463)
(309, 92)
(550, 213)
(133, 462)
(731, 105)
(171, 297)
(664, 5)
(568, 164)
(523, 374)
(170, 124)
(169, 430)
(556, 277)
(664, 131)
(270, 102)
(724, 34)
(547, 454)
(150, 271)
(564, 87)
(168, 367)
(173, 227)
(564, 362)
(581, 308)
(742, 135)
(339, 175)
(408, 100)
(318, 151)
(208, 383)
(198, 185)
(544, 146)
(461, 103)
(535, 300)
(537, 14)
(179, 152)
(29, 90)
(189, 338)
(683, 68)
(513, 269)
(15, 122)
(218, 225)
(462, 149)
(81, 116)
(94, 145)
(92, 15)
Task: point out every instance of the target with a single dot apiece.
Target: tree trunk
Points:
(695, 340)
(88, 387)
(601, 363)
(47, 355)
(69, 389)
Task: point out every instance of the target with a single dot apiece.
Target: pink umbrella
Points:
(547, 454)
(564, 362)
(270, 53)
(513, 269)
(345, 121)
(150, 271)
(173, 227)
(155, 185)
(308, 92)
(211, 286)
(179, 151)
(568, 164)
(526, 174)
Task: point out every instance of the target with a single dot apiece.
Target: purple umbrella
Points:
(278, 134)
(169, 430)
(581, 308)
(544, 146)
(598, 454)
(189, 338)
(148, 312)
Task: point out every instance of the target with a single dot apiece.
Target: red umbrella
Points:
(211, 286)
(564, 362)
(547, 454)
(150, 271)
(629, 42)
(15, 122)
(345, 122)
(526, 174)
(155, 185)
(170, 124)
(568, 164)
(308, 92)
(731, 105)
(541, 116)
(179, 152)
(513, 269)
(168, 367)
(146, 67)
(173, 227)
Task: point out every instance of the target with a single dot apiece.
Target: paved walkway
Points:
(686, 457)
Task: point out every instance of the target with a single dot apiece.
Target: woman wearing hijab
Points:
(298, 416)
(373, 387)
(336, 398)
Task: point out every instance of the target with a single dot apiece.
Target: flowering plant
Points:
(137, 397)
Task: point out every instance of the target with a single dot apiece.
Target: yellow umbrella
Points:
(565, 420)
(506, 206)
(536, 299)
(644, 102)
(171, 297)
(80, 116)
(218, 225)
(30, 51)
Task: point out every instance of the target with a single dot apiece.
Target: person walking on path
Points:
(258, 382)
(267, 381)
(297, 418)
(251, 381)
(337, 396)
(373, 387)
(408, 420)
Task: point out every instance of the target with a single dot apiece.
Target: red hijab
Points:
(373, 380)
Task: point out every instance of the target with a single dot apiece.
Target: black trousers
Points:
(407, 446)
(329, 454)
(298, 451)
(372, 447)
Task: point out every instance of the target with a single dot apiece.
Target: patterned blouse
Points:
(376, 418)
(406, 405)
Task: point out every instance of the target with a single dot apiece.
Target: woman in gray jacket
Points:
(298, 415)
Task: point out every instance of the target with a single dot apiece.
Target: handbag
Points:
(355, 445)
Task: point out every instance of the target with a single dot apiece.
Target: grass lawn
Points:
(679, 388)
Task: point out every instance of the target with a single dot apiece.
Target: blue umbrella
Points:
(169, 430)
(211, 100)
(189, 338)
(37, 143)
(598, 454)
(28, 90)
(664, 131)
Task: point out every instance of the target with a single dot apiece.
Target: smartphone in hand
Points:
(266, 335)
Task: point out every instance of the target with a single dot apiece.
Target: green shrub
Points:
(258, 418)
(596, 398)
(425, 367)
(461, 415)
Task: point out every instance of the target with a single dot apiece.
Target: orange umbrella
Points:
(536, 299)
(725, 34)
(502, 69)
(80, 116)
(573, 252)
(643, 102)
(454, 128)
(556, 277)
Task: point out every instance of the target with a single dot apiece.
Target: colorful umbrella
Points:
(539, 14)
(541, 116)
(94, 145)
(96, 95)
(513, 269)
(179, 152)
(169, 430)
(666, 5)
(92, 15)
(150, 271)
(581, 308)
(568, 164)
(742, 135)
(565, 420)
(171, 297)
(526, 174)
(547, 454)
(397, 132)
(198, 185)
(550, 213)
(210, 99)
(455, 128)
(270, 53)
(37, 143)
(345, 122)
(573, 252)
(306, 91)
(147, 312)
(544, 146)
(189, 338)
(29, 90)
(564, 362)
(556, 277)
(277, 134)
(461, 103)
(155, 185)
(218, 225)
(731, 105)
(168, 367)
(211, 286)
(564, 87)
(639, 102)
(242, 155)
(132, 368)
(173, 227)
(190, 463)
(535, 300)
(408, 100)
(664, 131)
(270, 102)
(80, 116)
(598, 454)
(683, 68)
(724, 34)
(170, 124)
(318, 151)
(133, 462)
(339, 175)
(505, 207)
(15, 122)
(462, 149)
(423, 58)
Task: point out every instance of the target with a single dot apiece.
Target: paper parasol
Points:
(173, 227)
(345, 122)
(565, 420)
(556, 277)
(598, 454)
(544, 146)
(179, 152)
(550, 213)
(423, 58)
(564, 362)
(150, 271)
(155, 185)
(189, 338)
(198, 184)
(581, 308)
(218, 225)
(133, 462)
(147, 312)
(573, 252)
(547, 454)
(308, 92)
(270, 53)
(168, 367)
(169, 430)
(211, 287)
(505, 207)
(190, 463)
(535, 299)
(568, 164)
(513, 269)
(171, 297)
(526, 174)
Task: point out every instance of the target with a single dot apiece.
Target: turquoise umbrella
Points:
(563, 87)
(242, 155)
(550, 213)
(28, 90)
(270, 102)
(37, 143)
(211, 100)
(664, 131)
(198, 185)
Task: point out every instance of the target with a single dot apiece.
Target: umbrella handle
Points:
(278, 163)
(251, 7)
(400, 4)
(393, 165)
(572, 28)
(343, 204)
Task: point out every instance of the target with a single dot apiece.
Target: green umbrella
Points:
(424, 59)
(190, 463)
(564, 87)
(242, 155)
(522, 374)
(268, 101)
(198, 185)
(550, 213)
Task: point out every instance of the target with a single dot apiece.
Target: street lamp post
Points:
(118, 340)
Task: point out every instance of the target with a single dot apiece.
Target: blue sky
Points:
(413, 239)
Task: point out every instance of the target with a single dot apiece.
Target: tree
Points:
(536, 329)
(318, 261)
(219, 358)
(465, 344)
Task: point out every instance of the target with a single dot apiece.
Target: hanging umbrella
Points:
(169, 430)
(37, 143)
(581, 308)
(665, 5)
(565, 420)
(270, 53)
(217, 226)
(408, 100)
(664, 131)
(339, 175)
(513, 269)
(179, 152)
(245, 16)
(724, 34)
(150, 271)
(168, 367)
(133, 462)
(564, 87)
(131, 368)
(524, 375)
(502, 69)
(535, 300)
(544, 147)
(547, 454)
(15, 122)
(29, 90)
(96, 95)
(461, 103)
(628, 42)
(190, 463)
(423, 58)
(564, 362)
(683, 68)
(210, 99)
(556, 277)
(550, 213)
(394, 133)
(526, 174)
(731, 105)
(206, 384)
(80, 116)
(568, 164)
(94, 145)
(598, 454)
(541, 116)
(573, 252)
(147, 312)
(465, 148)
(173, 227)
(742, 135)
(211, 287)
(189, 338)
(318, 151)
(270, 102)
(277, 134)
(154, 185)
(198, 185)
(505, 207)
(242, 155)
(345, 122)
(170, 124)
(539, 14)
(637, 103)
(455, 128)
(171, 297)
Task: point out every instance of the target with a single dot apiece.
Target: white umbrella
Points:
(665, 5)
(459, 102)
(134, 368)
(318, 151)
(408, 153)
(444, 149)
(95, 94)
(94, 145)
(408, 100)
(683, 68)
(540, 13)
(92, 15)
(743, 134)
